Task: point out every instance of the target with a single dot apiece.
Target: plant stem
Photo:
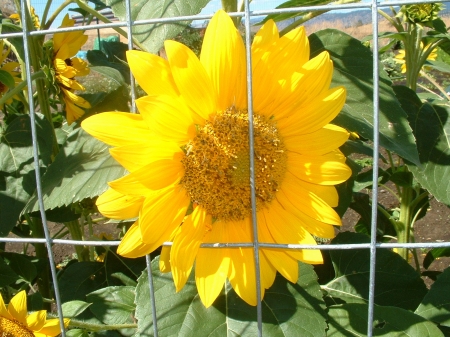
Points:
(20, 86)
(99, 327)
(404, 222)
(43, 280)
(231, 6)
(76, 234)
(52, 18)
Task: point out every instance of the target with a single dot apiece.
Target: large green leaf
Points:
(17, 42)
(17, 169)
(351, 320)
(353, 69)
(152, 36)
(396, 282)
(431, 126)
(288, 309)
(113, 305)
(436, 304)
(81, 170)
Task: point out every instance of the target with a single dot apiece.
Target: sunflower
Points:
(9, 68)
(34, 18)
(65, 46)
(400, 57)
(16, 322)
(188, 157)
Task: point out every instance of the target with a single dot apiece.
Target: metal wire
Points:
(374, 5)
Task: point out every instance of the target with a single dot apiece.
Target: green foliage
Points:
(300, 312)
(152, 36)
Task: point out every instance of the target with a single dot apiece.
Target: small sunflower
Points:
(16, 322)
(188, 157)
(9, 68)
(400, 57)
(65, 46)
(34, 18)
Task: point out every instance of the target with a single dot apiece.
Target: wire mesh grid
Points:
(246, 15)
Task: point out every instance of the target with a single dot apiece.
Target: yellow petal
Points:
(153, 176)
(104, 126)
(69, 83)
(160, 82)
(78, 100)
(164, 259)
(3, 311)
(36, 320)
(17, 307)
(81, 66)
(307, 201)
(157, 219)
(327, 169)
(223, 57)
(191, 79)
(314, 115)
(73, 112)
(212, 265)
(168, 118)
(266, 36)
(52, 328)
(325, 192)
(135, 156)
(131, 245)
(319, 142)
(115, 205)
(186, 244)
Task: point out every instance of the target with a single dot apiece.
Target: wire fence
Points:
(373, 6)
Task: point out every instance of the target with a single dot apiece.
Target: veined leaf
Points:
(396, 282)
(81, 170)
(351, 320)
(353, 69)
(288, 309)
(152, 36)
(436, 304)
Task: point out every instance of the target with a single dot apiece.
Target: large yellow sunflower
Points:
(16, 322)
(65, 46)
(188, 157)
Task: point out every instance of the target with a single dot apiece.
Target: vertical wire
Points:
(26, 35)
(376, 144)
(251, 143)
(130, 47)
(152, 294)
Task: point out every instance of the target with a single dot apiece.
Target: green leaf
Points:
(288, 309)
(111, 74)
(294, 3)
(81, 170)
(77, 333)
(17, 42)
(351, 320)
(6, 78)
(439, 66)
(74, 308)
(353, 69)
(436, 304)
(113, 305)
(396, 282)
(434, 254)
(7, 275)
(17, 170)
(21, 264)
(152, 36)
(431, 127)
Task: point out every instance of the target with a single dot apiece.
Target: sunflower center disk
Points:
(217, 164)
(9, 328)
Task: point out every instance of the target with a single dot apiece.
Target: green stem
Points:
(404, 222)
(76, 234)
(46, 9)
(56, 13)
(231, 6)
(20, 87)
(391, 20)
(99, 327)
(88, 9)
(43, 280)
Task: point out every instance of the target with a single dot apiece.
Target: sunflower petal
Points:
(164, 259)
(191, 79)
(3, 311)
(115, 205)
(17, 307)
(131, 245)
(186, 244)
(52, 328)
(157, 221)
(160, 82)
(104, 126)
(223, 57)
(36, 320)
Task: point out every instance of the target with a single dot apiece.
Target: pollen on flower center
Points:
(217, 164)
(9, 328)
